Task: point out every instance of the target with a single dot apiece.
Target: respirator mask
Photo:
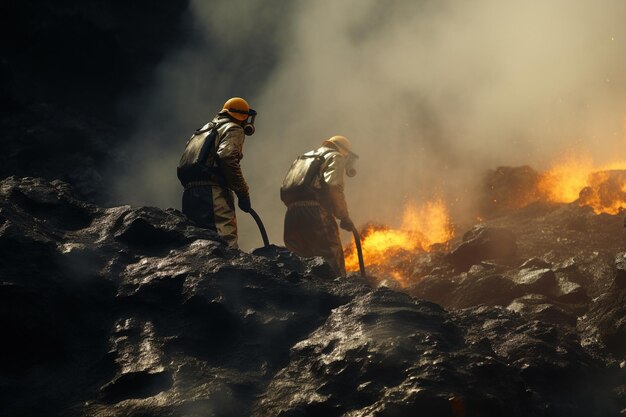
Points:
(351, 164)
(248, 126)
(248, 122)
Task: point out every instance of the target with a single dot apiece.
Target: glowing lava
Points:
(386, 250)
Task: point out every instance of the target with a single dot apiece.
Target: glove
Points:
(244, 204)
(346, 224)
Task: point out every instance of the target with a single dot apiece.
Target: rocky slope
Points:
(129, 311)
(134, 312)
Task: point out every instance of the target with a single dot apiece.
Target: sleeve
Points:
(338, 202)
(230, 152)
(333, 177)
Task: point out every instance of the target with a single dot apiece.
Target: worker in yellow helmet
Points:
(313, 191)
(210, 172)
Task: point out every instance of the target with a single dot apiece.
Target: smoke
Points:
(431, 93)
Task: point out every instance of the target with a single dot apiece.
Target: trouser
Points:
(311, 230)
(212, 207)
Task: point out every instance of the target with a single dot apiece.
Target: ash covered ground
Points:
(134, 311)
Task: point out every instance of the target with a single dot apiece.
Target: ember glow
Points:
(606, 192)
(386, 250)
(564, 180)
(577, 178)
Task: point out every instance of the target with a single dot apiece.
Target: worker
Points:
(210, 172)
(313, 191)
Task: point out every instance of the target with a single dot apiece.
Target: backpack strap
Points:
(322, 160)
(210, 151)
(201, 130)
(322, 155)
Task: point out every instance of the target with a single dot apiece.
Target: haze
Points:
(431, 93)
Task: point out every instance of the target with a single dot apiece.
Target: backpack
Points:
(192, 165)
(299, 183)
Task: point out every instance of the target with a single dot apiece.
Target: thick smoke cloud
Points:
(431, 93)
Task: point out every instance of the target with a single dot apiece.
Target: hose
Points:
(359, 251)
(259, 223)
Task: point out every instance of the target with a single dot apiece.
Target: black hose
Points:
(259, 223)
(359, 251)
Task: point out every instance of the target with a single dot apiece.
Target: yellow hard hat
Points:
(341, 142)
(237, 108)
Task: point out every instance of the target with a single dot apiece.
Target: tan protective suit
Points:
(211, 203)
(310, 226)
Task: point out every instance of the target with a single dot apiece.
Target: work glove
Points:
(244, 204)
(346, 224)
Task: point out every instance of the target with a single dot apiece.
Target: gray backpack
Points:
(192, 165)
(299, 183)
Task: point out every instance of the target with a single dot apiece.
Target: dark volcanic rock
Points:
(535, 280)
(540, 307)
(134, 311)
(605, 323)
(385, 354)
(483, 243)
(488, 289)
(543, 354)
(126, 304)
(571, 292)
(435, 288)
(620, 265)
(508, 188)
(499, 285)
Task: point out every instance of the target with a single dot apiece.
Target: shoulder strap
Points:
(316, 155)
(210, 150)
(218, 125)
(320, 173)
(201, 130)
(327, 152)
(323, 157)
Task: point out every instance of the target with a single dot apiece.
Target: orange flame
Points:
(606, 192)
(386, 249)
(562, 183)
(577, 178)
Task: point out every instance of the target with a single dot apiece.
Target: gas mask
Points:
(248, 122)
(248, 125)
(351, 164)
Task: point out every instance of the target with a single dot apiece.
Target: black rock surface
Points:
(134, 311)
(508, 188)
(481, 244)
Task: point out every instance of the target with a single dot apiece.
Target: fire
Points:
(386, 250)
(577, 178)
(562, 183)
(606, 192)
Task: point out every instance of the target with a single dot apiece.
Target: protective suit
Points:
(310, 228)
(210, 202)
